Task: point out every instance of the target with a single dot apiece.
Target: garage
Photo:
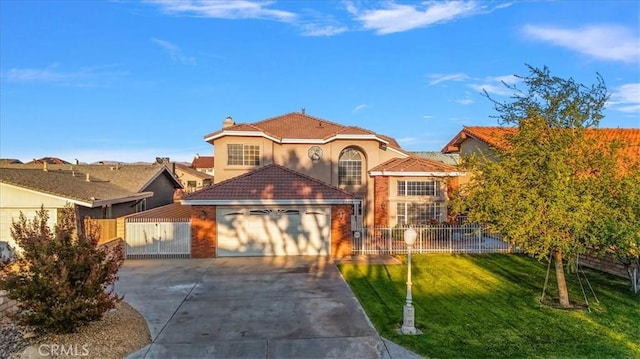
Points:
(270, 211)
(273, 231)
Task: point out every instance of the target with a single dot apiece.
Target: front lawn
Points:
(481, 306)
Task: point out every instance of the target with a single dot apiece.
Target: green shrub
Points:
(61, 279)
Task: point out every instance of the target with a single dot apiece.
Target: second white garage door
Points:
(273, 231)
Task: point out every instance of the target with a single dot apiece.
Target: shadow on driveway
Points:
(275, 307)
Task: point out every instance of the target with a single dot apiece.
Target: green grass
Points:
(486, 306)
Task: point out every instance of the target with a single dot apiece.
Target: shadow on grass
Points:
(487, 306)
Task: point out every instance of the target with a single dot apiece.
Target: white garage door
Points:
(267, 231)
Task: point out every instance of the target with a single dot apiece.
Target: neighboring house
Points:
(478, 139)
(447, 158)
(388, 186)
(48, 160)
(9, 161)
(204, 164)
(191, 179)
(99, 192)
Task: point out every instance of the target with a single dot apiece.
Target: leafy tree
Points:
(537, 191)
(619, 226)
(61, 279)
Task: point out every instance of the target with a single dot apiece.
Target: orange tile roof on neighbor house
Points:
(203, 162)
(266, 184)
(497, 137)
(493, 136)
(300, 126)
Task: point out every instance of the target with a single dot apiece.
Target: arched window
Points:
(350, 167)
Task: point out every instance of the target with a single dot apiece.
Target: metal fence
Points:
(437, 238)
(158, 238)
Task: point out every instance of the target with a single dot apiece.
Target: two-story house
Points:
(296, 166)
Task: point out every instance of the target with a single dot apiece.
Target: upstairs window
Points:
(419, 188)
(350, 167)
(243, 155)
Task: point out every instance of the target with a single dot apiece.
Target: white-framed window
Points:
(419, 188)
(417, 214)
(350, 167)
(243, 155)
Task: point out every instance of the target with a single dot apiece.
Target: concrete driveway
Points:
(279, 307)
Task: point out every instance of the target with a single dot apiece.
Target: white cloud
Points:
(438, 78)
(322, 30)
(398, 18)
(359, 108)
(225, 9)
(174, 52)
(602, 42)
(84, 77)
(465, 101)
(626, 98)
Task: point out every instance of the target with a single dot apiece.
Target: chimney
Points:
(228, 122)
(303, 110)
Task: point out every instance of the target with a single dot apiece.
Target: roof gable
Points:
(269, 183)
(300, 127)
(414, 166)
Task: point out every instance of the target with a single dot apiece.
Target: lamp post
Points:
(408, 322)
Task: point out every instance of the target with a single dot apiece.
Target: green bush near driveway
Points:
(487, 306)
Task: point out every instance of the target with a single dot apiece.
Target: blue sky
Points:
(130, 81)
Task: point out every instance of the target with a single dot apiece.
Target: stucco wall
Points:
(295, 156)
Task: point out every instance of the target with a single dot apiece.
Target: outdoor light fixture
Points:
(408, 322)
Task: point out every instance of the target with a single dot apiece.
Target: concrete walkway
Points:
(280, 307)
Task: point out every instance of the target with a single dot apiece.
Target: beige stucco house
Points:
(388, 186)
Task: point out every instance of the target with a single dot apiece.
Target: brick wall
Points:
(381, 201)
(340, 230)
(203, 231)
(606, 265)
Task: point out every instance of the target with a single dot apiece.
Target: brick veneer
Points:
(607, 265)
(381, 201)
(341, 230)
(203, 231)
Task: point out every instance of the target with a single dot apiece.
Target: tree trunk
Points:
(563, 293)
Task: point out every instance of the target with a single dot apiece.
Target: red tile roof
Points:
(414, 164)
(271, 182)
(496, 137)
(49, 160)
(301, 126)
(203, 162)
(493, 136)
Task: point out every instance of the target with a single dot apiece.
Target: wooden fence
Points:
(108, 228)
